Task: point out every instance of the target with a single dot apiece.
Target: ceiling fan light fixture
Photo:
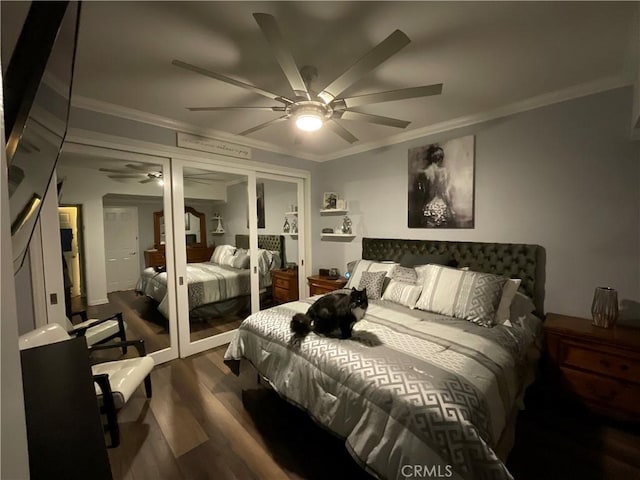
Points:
(310, 115)
(309, 121)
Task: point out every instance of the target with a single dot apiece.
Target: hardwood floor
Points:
(566, 442)
(145, 322)
(203, 422)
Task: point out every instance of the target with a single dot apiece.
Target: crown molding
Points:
(551, 98)
(559, 96)
(114, 110)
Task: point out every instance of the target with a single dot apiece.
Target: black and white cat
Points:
(332, 315)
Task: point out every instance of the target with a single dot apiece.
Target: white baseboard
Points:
(100, 301)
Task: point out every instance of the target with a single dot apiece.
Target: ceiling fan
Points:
(147, 174)
(312, 110)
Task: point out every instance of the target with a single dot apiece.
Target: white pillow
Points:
(223, 254)
(504, 307)
(368, 266)
(241, 259)
(402, 293)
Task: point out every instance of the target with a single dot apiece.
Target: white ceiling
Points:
(489, 56)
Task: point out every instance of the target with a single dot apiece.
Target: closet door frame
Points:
(302, 202)
(124, 152)
(186, 346)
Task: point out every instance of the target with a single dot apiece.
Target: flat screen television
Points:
(37, 83)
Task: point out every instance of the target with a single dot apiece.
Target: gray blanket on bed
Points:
(410, 388)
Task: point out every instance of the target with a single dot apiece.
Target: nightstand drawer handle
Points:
(624, 367)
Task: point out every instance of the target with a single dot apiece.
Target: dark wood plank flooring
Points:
(145, 322)
(203, 422)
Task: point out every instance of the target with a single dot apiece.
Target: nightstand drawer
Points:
(282, 282)
(601, 390)
(606, 363)
(284, 295)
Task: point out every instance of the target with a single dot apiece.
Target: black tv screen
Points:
(37, 82)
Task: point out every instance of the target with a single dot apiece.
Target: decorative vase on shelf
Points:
(286, 228)
(604, 308)
(294, 226)
(346, 225)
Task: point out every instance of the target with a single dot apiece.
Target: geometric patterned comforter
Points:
(411, 388)
(206, 283)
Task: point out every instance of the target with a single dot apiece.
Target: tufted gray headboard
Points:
(267, 242)
(514, 260)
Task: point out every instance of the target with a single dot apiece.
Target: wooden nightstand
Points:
(154, 258)
(597, 366)
(284, 285)
(319, 285)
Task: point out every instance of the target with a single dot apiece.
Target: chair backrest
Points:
(50, 333)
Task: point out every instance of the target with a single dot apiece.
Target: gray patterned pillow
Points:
(404, 274)
(462, 294)
(373, 282)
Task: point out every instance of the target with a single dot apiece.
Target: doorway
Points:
(121, 248)
(70, 236)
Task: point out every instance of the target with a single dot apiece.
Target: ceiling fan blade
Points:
(113, 170)
(388, 96)
(367, 117)
(237, 83)
(385, 49)
(117, 177)
(341, 131)
(213, 109)
(150, 179)
(140, 168)
(265, 124)
(269, 27)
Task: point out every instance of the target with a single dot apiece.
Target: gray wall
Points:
(564, 177)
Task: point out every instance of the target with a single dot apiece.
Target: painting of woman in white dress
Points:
(441, 185)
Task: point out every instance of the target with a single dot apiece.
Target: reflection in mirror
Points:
(280, 201)
(116, 200)
(219, 287)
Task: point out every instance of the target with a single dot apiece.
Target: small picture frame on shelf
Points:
(329, 200)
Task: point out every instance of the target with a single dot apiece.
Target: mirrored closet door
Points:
(217, 286)
(116, 262)
(280, 220)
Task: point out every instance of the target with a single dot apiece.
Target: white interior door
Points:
(121, 247)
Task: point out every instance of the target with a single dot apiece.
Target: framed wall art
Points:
(442, 184)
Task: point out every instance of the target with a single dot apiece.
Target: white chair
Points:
(98, 331)
(115, 381)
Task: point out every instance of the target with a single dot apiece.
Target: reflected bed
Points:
(218, 285)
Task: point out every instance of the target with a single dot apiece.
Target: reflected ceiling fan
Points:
(312, 110)
(148, 174)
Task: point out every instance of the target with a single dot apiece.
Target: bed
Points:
(413, 391)
(216, 288)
